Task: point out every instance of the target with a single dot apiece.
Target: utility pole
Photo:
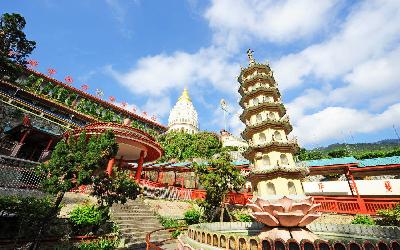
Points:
(398, 137)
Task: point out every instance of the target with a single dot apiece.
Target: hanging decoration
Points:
(33, 63)
(144, 113)
(51, 71)
(68, 79)
(111, 98)
(154, 118)
(134, 110)
(85, 87)
(124, 104)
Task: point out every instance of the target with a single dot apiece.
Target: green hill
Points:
(383, 148)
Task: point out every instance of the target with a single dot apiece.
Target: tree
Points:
(81, 160)
(14, 47)
(183, 146)
(218, 177)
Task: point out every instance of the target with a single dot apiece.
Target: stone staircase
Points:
(135, 219)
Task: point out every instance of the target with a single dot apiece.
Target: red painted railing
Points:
(329, 204)
(353, 205)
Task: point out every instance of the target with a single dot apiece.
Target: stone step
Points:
(129, 223)
(133, 213)
(135, 217)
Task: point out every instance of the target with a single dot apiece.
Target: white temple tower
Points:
(183, 116)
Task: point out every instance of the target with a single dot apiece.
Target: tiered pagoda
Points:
(279, 201)
(267, 126)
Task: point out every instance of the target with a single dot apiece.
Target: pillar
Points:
(360, 201)
(110, 165)
(18, 146)
(140, 166)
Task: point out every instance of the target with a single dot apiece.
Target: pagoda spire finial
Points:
(250, 56)
(185, 95)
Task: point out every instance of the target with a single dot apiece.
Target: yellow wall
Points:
(281, 187)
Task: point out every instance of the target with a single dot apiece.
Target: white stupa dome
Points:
(183, 116)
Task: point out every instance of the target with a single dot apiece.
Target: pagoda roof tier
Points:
(286, 171)
(250, 68)
(251, 129)
(270, 106)
(247, 95)
(279, 146)
(254, 79)
(131, 141)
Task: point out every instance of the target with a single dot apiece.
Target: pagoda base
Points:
(286, 233)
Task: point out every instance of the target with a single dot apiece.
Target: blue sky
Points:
(337, 62)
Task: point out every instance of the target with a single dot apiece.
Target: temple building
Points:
(183, 116)
(274, 171)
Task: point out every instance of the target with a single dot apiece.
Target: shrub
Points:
(389, 217)
(168, 222)
(192, 216)
(103, 244)
(243, 217)
(176, 233)
(88, 216)
(363, 219)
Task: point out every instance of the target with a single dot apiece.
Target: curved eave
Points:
(284, 147)
(251, 130)
(264, 78)
(247, 112)
(260, 90)
(254, 66)
(127, 135)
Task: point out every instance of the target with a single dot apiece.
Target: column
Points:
(140, 166)
(46, 151)
(360, 201)
(18, 146)
(110, 165)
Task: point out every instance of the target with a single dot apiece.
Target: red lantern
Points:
(144, 113)
(85, 87)
(69, 80)
(111, 98)
(33, 63)
(124, 104)
(154, 118)
(51, 71)
(134, 110)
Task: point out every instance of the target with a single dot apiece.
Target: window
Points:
(271, 188)
(271, 115)
(291, 187)
(262, 137)
(266, 161)
(284, 159)
(277, 136)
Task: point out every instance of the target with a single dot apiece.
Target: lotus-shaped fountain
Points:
(287, 216)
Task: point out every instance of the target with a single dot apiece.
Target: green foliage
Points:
(103, 244)
(30, 212)
(176, 233)
(192, 216)
(75, 160)
(363, 219)
(28, 209)
(389, 217)
(218, 177)
(183, 146)
(88, 215)
(339, 153)
(168, 222)
(12, 38)
(116, 188)
(243, 217)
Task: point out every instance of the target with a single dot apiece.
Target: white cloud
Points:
(155, 75)
(376, 82)
(370, 30)
(157, 106)
(331, 122)
(276, 21)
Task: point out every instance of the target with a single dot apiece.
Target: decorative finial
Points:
(185, 95)
(250, 56)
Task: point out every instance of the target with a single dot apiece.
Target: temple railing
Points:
(18, 173)
(329, 204)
